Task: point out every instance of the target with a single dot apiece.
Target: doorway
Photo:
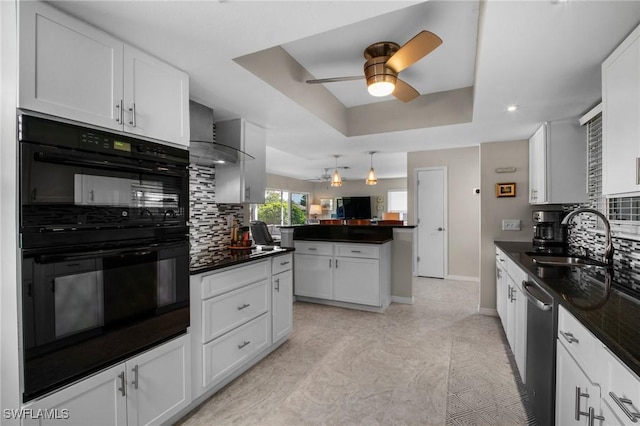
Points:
(431, 215)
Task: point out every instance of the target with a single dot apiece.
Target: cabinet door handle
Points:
(633, 416)
(278, 285)
(244, 306)
(569, 337)
(134, 382)
(133, 115)
(336, 263)
(580, 394)
(119, 108)
(122, 388)
(593, 417)
(330, 262)
(245, 343)
(638, 171)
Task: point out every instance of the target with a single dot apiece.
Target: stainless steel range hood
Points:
(203, 149)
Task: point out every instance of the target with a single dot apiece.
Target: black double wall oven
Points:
(105, 250)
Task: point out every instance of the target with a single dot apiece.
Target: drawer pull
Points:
(312, 249)
(569, 337)
(356, 251)
(633, 416)
(246, 305)
(579, 395)
(284, 263)
(245, 343)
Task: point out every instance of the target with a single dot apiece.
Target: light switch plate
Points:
(510, 224)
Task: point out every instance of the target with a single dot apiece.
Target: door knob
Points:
(439, 228)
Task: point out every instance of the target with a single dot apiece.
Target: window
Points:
(397, 200)
(281, 208)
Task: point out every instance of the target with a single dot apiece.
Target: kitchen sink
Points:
(547, 260)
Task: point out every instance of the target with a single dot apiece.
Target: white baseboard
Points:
(463, 278)
(487, 311)
(405, 300)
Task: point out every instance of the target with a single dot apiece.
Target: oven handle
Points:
(105, 164)
(140, 251)
(539, 303)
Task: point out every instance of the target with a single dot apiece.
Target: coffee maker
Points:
(549, 236)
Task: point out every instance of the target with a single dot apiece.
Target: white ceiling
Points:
(543, 55)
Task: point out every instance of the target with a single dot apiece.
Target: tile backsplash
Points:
(208, 230)
(587, 231)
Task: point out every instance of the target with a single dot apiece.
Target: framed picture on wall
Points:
(505, 189)
(326, 203)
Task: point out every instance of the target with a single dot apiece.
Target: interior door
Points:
(431, 217)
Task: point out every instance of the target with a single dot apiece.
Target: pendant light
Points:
(336, 180)
(371, 177)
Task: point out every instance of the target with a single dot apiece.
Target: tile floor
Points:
(436, 362)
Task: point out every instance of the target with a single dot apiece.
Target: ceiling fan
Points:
(326, 176)
(385, 60)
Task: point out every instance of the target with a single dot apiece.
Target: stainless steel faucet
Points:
(608, 250)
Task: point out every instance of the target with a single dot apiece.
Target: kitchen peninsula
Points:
(363, 255)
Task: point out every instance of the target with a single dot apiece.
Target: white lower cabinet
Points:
(281, 297)
(352, 273)
(620, 389)
(145, 390)
(238, 315)
(577, 396)
(512, 308)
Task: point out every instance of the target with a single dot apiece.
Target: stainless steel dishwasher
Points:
(541, 350)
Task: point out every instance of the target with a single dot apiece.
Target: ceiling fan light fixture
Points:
(381, 88)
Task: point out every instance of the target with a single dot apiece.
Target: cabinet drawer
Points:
(223, 355)
(617, 380)
(579, 341)
(230, 279)
(517, 275)
(314, 248)
(281, 263)
(226, 312)
(369, 251)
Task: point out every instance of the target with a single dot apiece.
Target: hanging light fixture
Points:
(371, 177)
(336, 180)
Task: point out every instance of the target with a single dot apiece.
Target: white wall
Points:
(493, 209)
(289, 184)
(9, 337)
(463, 205)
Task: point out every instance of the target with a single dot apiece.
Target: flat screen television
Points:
(353, 208)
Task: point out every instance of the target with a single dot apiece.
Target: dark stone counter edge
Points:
(345, 240)
(353, 226)
(511, 248)
(239, 261)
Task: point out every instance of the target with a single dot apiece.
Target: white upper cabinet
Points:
(558, 163)
(243, 182)
(621, 118)
(156, 98)
(68, 68)
(72, 70)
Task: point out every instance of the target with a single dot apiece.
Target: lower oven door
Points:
(90, 307)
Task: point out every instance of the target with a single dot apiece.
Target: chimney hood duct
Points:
(203, 149)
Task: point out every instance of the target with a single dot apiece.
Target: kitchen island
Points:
(401, 239)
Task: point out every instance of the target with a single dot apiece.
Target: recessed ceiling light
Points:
(512, 108)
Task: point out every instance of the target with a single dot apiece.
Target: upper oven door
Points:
(64, 188)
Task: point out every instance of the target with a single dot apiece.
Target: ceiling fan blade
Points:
(415, 49)
(335, 79)
(404, 91)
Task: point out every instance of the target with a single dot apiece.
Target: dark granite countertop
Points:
(354, 226)
(360, 240)
(344, 233)
(227, 257)
(611, 313)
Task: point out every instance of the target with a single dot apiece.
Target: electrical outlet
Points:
(510, 224)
